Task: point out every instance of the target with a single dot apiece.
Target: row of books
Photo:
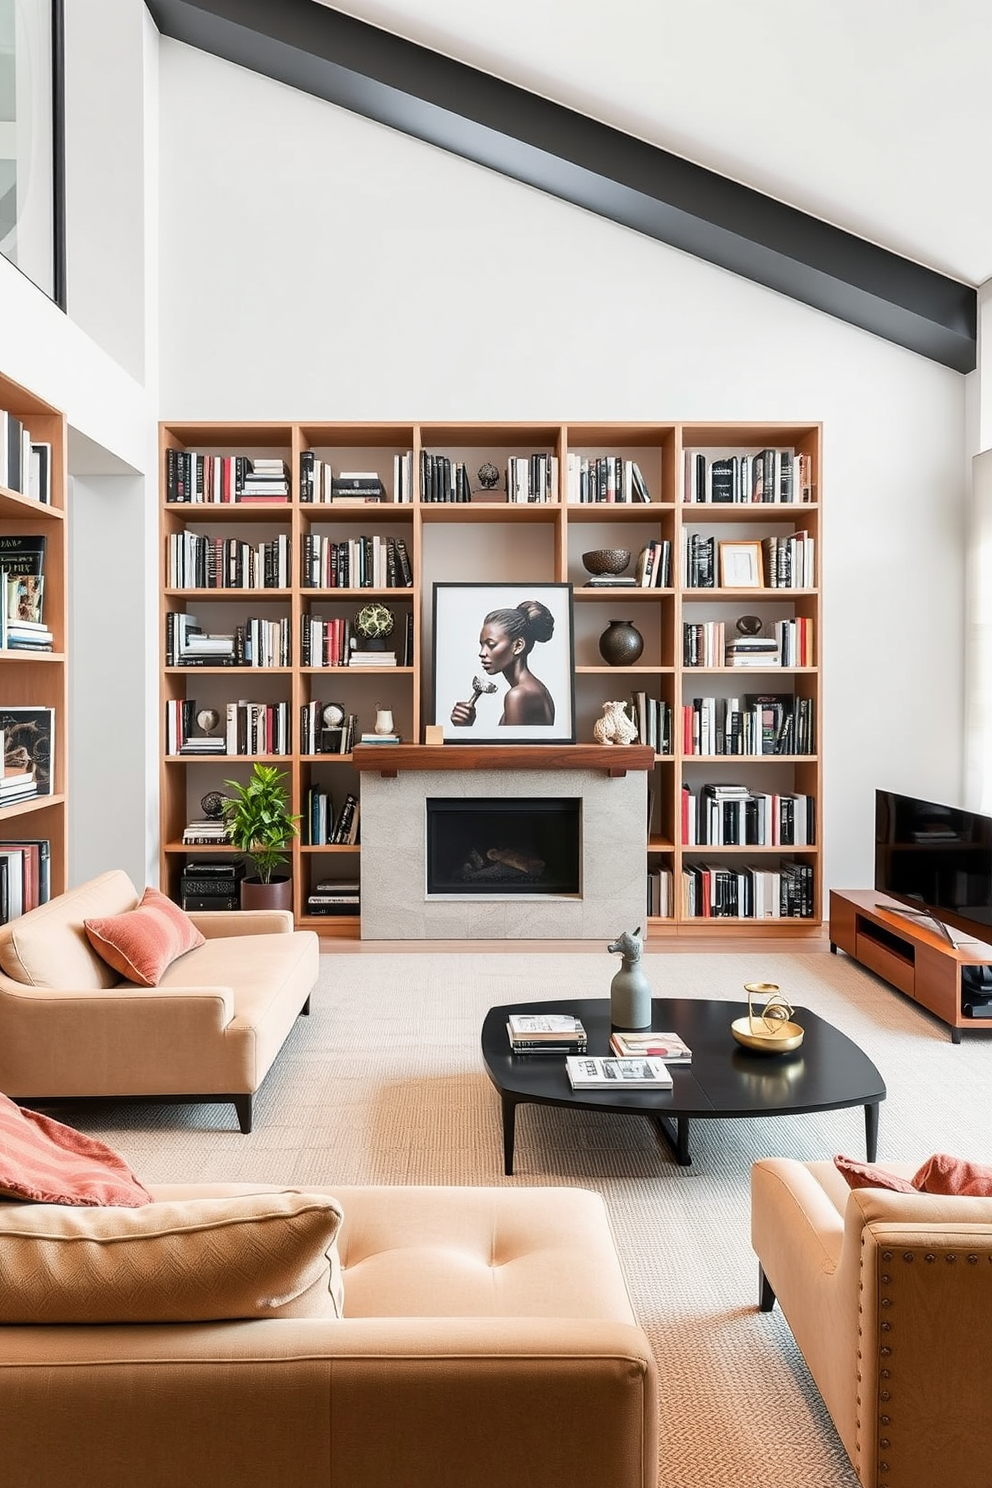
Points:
(25, 464)
(250, 728)
(712, 891)
(653, 719)
(778, 562)
(756, 724)
(335, 896)
(256, 643)
(770, 475)
(705, 643)
(196, 561)
(736, 816)
(25, 875)
(218, 480)
(320, 486)
(363, 562)
(604, 479)
(27, 752)
(318, 737)
(323, 826)
(660, 899)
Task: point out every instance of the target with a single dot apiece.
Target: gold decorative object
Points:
(771, 1031)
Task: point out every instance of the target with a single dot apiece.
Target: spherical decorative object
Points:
(749, 625)
(212, 805)
(621, 643)
(374, 622)
(333, 715)
(208, 719)
(488, 476)
(606, 560)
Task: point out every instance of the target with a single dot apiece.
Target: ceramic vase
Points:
(630, 999)
(621, 643)
(383, 721)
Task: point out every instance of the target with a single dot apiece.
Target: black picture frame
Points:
(545, 631)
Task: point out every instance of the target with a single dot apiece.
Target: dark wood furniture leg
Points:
(871, 1130)
(509, 1130)
(766, 1297)
(676, 1135)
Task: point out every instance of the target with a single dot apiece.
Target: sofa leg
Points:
(305, 1009)
(243, 1104)
(766, 1297)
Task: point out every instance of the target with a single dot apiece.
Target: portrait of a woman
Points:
(506, 641)
(504, 663)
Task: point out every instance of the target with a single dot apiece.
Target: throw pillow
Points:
(42, 1160)
(870, 1175)
(257, 1255)
(943, 1174)
(143, 942)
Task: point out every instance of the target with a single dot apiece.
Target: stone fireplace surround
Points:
(397, 781)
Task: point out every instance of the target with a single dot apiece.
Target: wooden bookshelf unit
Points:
(39, 679)
(906, 953)
(493, 538)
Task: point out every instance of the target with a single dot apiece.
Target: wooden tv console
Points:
(906, 953)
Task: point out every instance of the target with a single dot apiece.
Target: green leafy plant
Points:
(258, 820)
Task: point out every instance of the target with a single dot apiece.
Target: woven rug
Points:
(384, 1083)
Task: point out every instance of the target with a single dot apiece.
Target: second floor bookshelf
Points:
(721, 525)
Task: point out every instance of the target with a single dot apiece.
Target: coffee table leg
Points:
(509, 1127)
(676, 1134)
(871, 1130)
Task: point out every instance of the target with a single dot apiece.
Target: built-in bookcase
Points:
(493, 538)
(38, 680)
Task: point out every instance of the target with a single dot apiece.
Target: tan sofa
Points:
(889, 1297)
(487, 1341)
(210, 1031)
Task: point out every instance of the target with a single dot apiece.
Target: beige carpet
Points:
(384, 1084)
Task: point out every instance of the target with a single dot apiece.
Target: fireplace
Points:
(504, 846)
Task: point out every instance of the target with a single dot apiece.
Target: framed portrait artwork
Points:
(504, 663)
(741, 566)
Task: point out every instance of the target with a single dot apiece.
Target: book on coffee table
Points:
(551, 1033)
(587, 1072)
(666, 1046)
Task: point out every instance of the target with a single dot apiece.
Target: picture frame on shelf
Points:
(504, 663)
(741, 565)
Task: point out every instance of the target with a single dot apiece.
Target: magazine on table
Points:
(667, 1046)
(588, 1072)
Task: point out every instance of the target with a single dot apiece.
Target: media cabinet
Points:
(908, 954)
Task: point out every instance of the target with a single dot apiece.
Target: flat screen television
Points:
(936, 860)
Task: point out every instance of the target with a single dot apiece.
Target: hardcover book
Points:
(29, 743)
(586, 1072)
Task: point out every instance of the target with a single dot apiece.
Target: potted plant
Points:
(260, 825)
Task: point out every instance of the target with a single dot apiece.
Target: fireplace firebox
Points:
(504, 846)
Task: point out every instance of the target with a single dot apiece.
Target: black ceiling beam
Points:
(528, 138)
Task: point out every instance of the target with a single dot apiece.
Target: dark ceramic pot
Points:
(621, 643)
(278, 894)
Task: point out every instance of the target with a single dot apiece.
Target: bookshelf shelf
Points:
(482, 541)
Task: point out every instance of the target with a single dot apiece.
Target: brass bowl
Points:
(785, 1038)
(606, 560)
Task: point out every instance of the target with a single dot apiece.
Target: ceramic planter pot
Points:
(621, 643)
(278, 894)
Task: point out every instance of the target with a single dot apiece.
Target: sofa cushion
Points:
(142, 943)
(258, 1255)
(48, 1163)
(940, 1174)
(48, 947)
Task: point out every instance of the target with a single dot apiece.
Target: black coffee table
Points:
(826, 1073)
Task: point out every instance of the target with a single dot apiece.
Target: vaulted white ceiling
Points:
(874, 115)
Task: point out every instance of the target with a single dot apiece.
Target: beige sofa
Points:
(210, 1031)
(889, 1297)
(486, 1341)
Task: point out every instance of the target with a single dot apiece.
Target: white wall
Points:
(316, 265)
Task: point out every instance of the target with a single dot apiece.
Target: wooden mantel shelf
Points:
(390, 759)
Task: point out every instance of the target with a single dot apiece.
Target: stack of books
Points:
(380, 739)
(334, 897)
(372, 658)
(206, 831)
(265, 480)
(359, 486)
(546, 1033)
(587, 1073)
(650, 1045)
(753, 651)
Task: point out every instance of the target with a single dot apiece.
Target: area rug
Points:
(384, 1083)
